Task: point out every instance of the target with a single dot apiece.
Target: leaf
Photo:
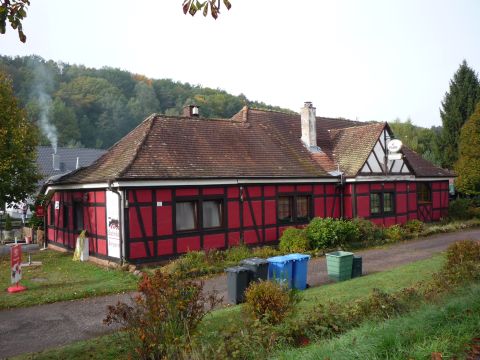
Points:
(214, 11)
(227, 4)
(193, 10)
(205, 9)
(22, 36)
(186, 6)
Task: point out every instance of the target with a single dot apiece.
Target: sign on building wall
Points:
(113, 225)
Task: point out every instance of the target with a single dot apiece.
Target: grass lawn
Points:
(343, 292)
(110, 346)
(444, 328)
(59, 278)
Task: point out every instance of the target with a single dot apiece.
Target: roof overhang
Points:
(395, 178)
(434, 178)
(187, 182)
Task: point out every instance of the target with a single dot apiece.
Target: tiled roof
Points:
(67, 159)
(252, 144)
(422, 167)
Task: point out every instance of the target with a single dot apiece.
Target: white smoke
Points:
(43, 80)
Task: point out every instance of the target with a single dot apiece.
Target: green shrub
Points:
(367, 231)
(459, 209)
(237, 253)
(294, 240)
(325, 233)
(251, 339)
(394, 233)
(214, 256)
(379, 305)
(414, 227)
(474, 212)
(321, 232)
(265, 252)
(191, 264)
(35, 222)
(461, 252)
(462, 265)
(269, 301)
(161, 320)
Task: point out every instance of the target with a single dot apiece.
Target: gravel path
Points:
(46, 326)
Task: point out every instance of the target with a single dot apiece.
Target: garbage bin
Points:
(258, 268)
(356, 266)
(280, 269)
(339, 265)
(299, 270)
(238, 278)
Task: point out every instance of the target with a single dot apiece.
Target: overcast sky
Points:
(368, 59)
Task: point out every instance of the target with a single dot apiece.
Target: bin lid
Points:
(297, 257)
(278, 259)
(236, 269)
(339, 253)
(254, 261)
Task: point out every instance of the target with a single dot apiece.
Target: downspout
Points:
(342, 189)
(340, 186)
(120, 218)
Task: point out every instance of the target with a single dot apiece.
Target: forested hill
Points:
(96, 107)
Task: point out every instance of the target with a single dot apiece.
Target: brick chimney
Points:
(309, 127)
(191, 111)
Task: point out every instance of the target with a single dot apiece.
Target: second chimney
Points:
(309, 126)
(55, 162)
(191, 111)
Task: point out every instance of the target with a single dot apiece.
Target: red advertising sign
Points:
(16, 269)
(39, 211)
(16, 263)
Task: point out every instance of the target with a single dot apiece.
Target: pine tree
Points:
(468, 164)
(457, 106)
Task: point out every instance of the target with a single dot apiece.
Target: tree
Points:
(14, 11)
(468, 164)
(192, 6)
(457, 106)
(66, 123)
(18, 140)
(144, 103)
(417, 138)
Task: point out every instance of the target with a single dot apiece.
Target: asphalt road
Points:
(42, 327)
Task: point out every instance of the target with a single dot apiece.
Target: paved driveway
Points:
(46, 326)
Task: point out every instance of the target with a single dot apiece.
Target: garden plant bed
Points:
(204, 264)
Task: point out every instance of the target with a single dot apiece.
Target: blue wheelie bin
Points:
(280, 270)
(299, 270)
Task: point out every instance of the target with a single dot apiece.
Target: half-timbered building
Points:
(175, 184)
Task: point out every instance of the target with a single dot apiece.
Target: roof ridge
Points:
(140, 144)
(70, 148)
(274, 111)
(357, 126)
(163, 116)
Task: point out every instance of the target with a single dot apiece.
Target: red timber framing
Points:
(64, 233)
(405, 202)
(249, 215)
